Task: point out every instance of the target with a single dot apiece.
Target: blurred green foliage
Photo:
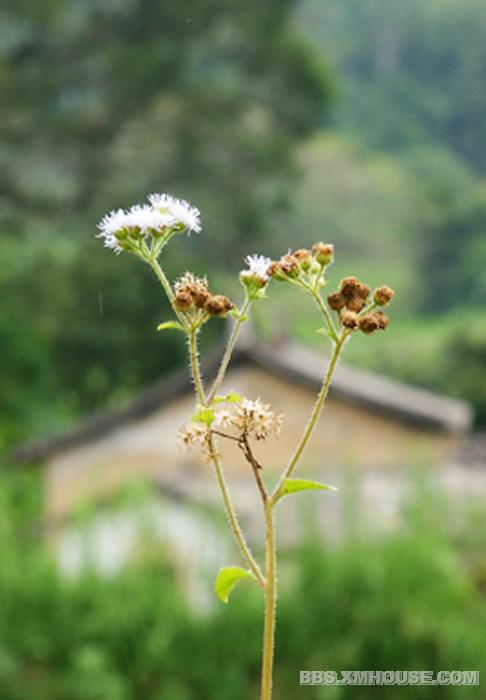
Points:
(104, 102)
(286, 122)
(413, 599)
(412, 71)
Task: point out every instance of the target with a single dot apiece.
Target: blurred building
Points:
(372, 426)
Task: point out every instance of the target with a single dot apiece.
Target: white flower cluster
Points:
(164, 215)
(257, 268)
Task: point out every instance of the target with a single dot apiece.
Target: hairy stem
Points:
(230, 511)
(232, 518)
(161, 276)
(325, 312)
(195, 368)
(229, 350)
(321, 398)
(270, 603)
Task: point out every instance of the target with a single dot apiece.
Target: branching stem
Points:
(229, 350)
(230, 511)
(321, 398)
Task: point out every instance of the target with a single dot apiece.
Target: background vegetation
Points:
(357, 121)
(411, 600)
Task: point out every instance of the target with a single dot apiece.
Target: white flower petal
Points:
(178, 211)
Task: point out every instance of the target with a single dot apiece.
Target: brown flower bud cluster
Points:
(352, 298)
(252, 419)
(193, 293)
(374, 321)
(302, 260)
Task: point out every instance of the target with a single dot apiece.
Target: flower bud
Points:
(275, 271)
(349, 287)
(349, 319)
(356, 304)
(383, 295)
(289, 265)
(183, 300)
(323, 253)
(375, 321)
(218, 305)
(336, 301)
(304, 257)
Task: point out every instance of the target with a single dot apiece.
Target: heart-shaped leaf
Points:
(295, 485)
(227, 579)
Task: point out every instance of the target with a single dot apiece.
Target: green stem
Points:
(195, 368)
(230, 511)
(326, 314)
(321, 398)
(163, 280)
(154, 264)
(229, 350)
(270, 603)
(232, 518)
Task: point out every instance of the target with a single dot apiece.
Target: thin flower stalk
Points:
(144, 231)
(314, 416)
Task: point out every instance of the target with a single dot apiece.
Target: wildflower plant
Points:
(144, 231)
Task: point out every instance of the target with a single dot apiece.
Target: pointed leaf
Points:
(204, 415)
(232, 397)
(170, 326)
(227, 579)
(295, 485)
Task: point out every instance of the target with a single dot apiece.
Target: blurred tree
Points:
(102, 103)
(413, 71)
(105, 101)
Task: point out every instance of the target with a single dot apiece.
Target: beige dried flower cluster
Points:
(195, 434)
(245, 420)
(252, 419)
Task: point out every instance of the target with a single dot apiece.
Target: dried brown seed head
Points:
(356, 304)
(383, 295)
(363, 291)
(349, 319)
(382, 320)
(196, 287)
(336, 301)
(218, 305)
(183, 300)
(200, 297)
(375, 321)
(349, 287)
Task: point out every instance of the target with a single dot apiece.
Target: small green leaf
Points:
(227, 579)
(238, 315)
(232, 397)
(204, 415)
(170, 326)
(295, 485)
